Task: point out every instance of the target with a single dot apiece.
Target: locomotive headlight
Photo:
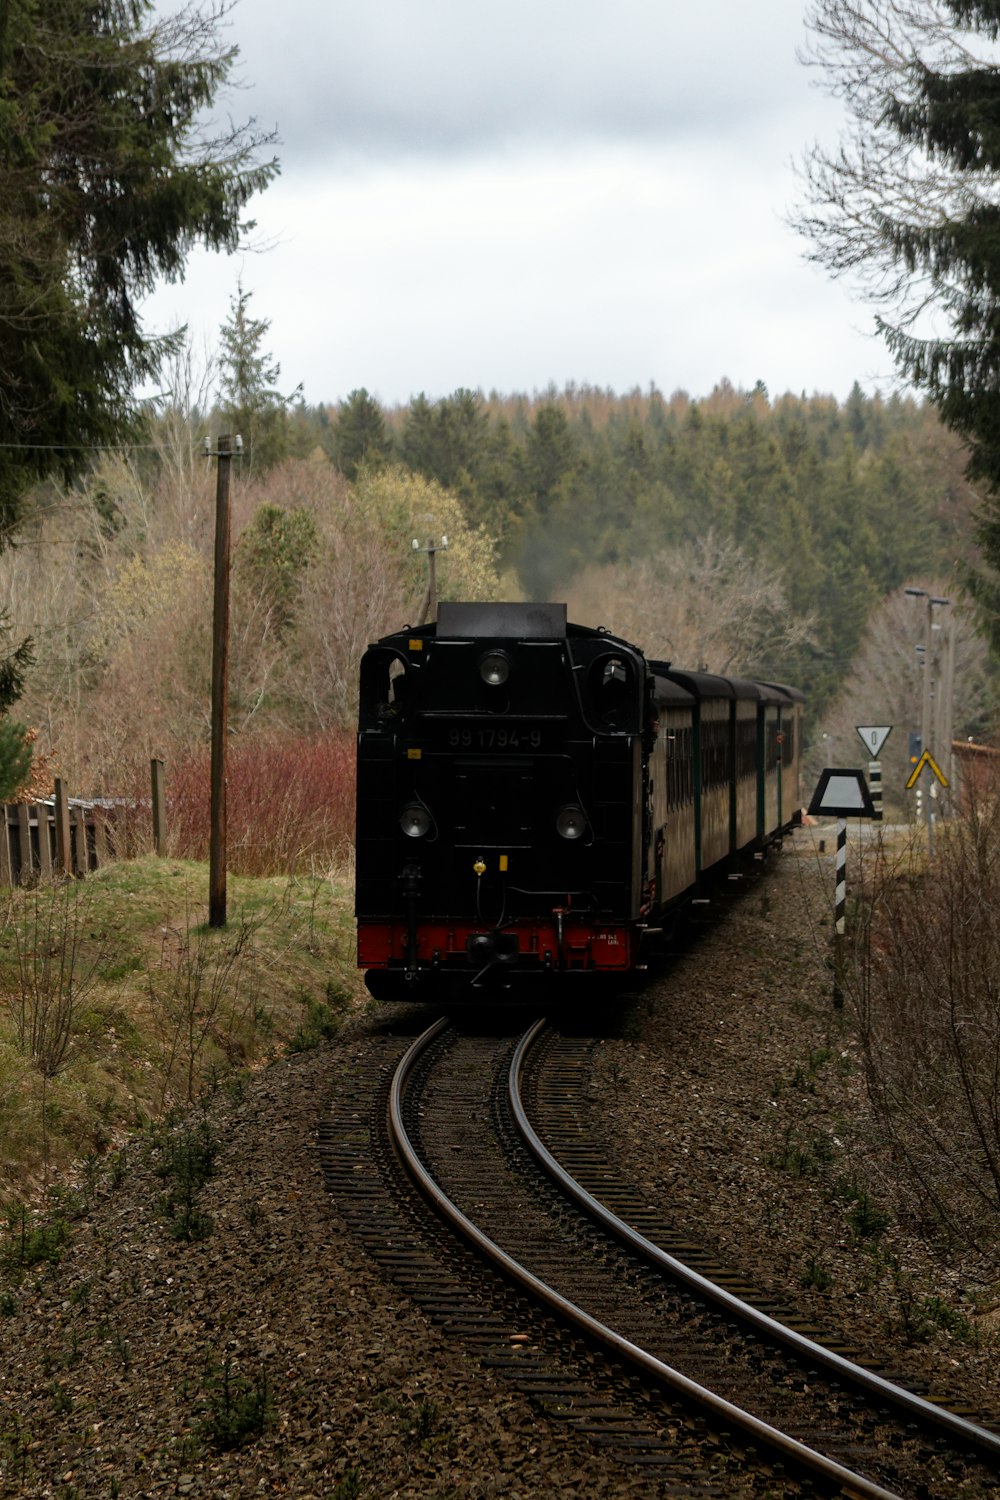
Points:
(415, 820)
(494, 668)
(571, 822)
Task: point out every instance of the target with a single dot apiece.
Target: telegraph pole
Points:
(220, 682)
(428, 610)
(946, 707)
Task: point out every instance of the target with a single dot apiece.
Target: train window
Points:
(715, 752)
(679, 769)
(679, 779)
(386, 687)
(610, 684)
(746, 748)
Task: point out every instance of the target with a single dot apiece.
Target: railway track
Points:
(683, 1373)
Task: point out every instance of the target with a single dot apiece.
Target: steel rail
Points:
(907, 1401)
(803, 1457)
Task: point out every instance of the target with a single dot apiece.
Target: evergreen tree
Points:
(107, 179)
(419, 438)
(253, 406)
(447, 441)
(361, 438)
(271, 557)
(15, 744)
(461, 427)
(15, 757)
(549, 455)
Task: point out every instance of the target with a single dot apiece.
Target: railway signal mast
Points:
(936, 706)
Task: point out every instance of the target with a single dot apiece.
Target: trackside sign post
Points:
(927, 762)
(841, 795)
(873, 737)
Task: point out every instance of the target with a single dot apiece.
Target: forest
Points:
(738, 532)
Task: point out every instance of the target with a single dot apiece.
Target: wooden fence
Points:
(62, 835)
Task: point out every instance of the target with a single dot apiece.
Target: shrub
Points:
(289, 803)
(239, 1407)
(926, 990)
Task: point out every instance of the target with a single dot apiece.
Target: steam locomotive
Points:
(536, 799)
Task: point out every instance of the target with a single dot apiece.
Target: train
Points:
(538, 801)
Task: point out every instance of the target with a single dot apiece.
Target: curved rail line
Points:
(870, 1383)
(804, 1458)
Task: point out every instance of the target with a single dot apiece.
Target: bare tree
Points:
(177, 431)
(874, 55)
(885, 686)
(368, 579)
(710, 606)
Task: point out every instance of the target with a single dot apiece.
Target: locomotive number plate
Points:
(494, 737)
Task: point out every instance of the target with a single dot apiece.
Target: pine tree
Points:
(107, 179)
(16, 755)
(361, 438)
(956, 117)
(912, 204)
(252, 405)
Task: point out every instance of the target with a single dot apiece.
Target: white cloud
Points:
(397, 77)
(528, 192)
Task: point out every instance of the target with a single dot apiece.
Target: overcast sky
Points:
(502, 195)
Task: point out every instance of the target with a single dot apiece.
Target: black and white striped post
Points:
(840, 914)
(841, 795)
(873, 737)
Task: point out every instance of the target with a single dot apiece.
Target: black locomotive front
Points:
(500, 806)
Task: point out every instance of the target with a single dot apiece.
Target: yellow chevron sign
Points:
(926, 759)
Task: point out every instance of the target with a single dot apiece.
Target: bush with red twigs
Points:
(289, 804)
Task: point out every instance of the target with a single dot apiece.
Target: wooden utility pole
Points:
(159, 806)
(220, 688)
(64, 847)
(428, 610)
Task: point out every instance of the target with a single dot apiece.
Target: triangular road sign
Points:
(926, 759)
(873, 737)
(841, 794)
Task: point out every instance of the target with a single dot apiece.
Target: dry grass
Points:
(925, 983)
(151, 1006)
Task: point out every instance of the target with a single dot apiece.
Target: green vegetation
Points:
(815, 1278)
(840, 504)
(187, 1159)
(27, 1243)
(102, 195)
(239, 1407)
(143, 1009)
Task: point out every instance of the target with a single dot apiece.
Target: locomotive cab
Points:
(500, 806)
